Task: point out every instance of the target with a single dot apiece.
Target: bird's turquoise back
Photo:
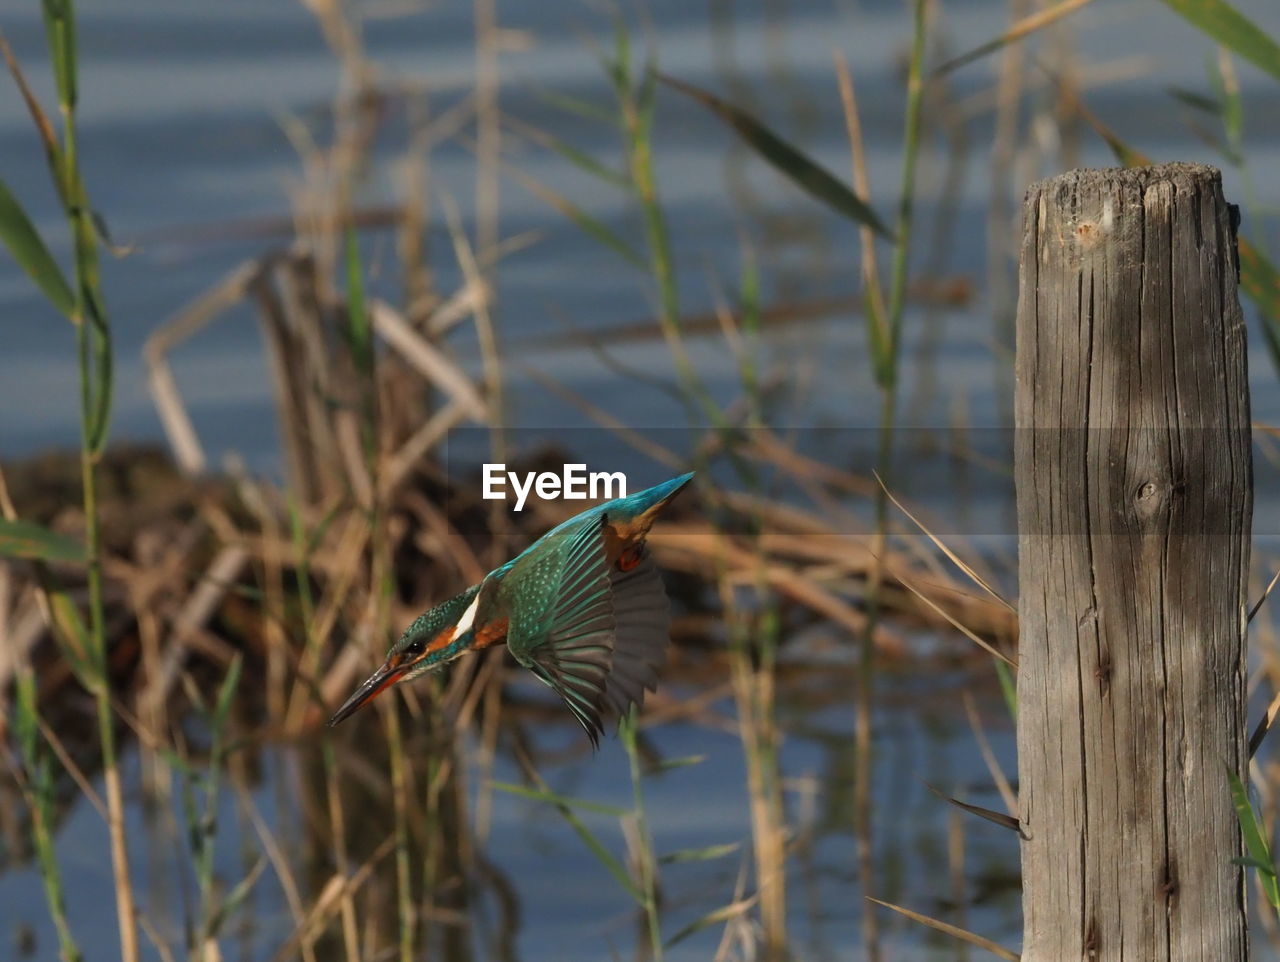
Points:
(618, 510)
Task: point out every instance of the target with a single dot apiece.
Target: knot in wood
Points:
(1150, 500)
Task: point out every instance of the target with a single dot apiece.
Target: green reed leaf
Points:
(579, 158)
(804, 172)
(226, 693)
(578, 107)
(26, 719)
(29, 250)
(611, 864)
(1248, 862)
(668, 764)
(103, 377)
(1195, 100)
(359, 333)
(60, 29)
(235, 899)
(1260, 281)
(1022, 28)
(23, 539)
(1259, 278)
(1255, 841)
(723, 914)
(579, 217)
(1008, 686)
(1229, 27)
(536, 795)
(705, 854)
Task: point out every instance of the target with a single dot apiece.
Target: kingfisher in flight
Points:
(583, 608)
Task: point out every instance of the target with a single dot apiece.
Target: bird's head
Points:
(438, 636)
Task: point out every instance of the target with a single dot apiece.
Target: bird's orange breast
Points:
(491, 633)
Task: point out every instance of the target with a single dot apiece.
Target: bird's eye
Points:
(416, 647)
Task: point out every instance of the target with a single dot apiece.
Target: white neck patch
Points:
(468, 617)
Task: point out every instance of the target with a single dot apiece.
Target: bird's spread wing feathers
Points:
(643, 623)
(562, 624)
(594, 634)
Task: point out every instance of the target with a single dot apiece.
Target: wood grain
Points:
(1134, 490)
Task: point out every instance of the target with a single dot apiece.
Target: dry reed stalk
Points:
(19, 648)
(156, 775)
(1021, 25)
(400, 808)
(446, 545)
(766, 446)
(223, 571)
(159, 569)
(466, 688)
(348, 429)
(456, 308)
(805, 591)
(8, 659)
(633, 438)
(155, 938)
(861, 186)
(737, 926)
(126, 910)
(487, 756)
(953, 291)
(752, 671)
(1007, 794)
(336, 891)
(952, 930)
(905, 590)
(753, 694)
(690, 548)
(486, 335)
(183, 324)
(955, 866)
(272, 547)
(349, 565)
(274, 636)
(960, 626)
(420, 297)
(303, 315)
(438, 369)
(660, 709)
(77, 774)
(1001, 249)
(28, 622)
(488, 126)
(292, 391)
(402, 462)
(347, 552)
(341, 856)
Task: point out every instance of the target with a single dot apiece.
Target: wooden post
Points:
(1135, 495)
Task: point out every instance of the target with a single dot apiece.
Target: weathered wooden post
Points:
(1135, 495)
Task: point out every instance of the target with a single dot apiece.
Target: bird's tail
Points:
(655, 499)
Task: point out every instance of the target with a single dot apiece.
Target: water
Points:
(181, 108)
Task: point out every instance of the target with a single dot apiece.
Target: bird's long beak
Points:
(374, 685)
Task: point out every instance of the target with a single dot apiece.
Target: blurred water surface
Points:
(183, 145)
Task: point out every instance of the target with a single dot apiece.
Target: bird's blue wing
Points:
(561, 623)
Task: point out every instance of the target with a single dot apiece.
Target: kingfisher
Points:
(583, 608)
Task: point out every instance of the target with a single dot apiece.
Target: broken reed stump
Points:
(1135, 496)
